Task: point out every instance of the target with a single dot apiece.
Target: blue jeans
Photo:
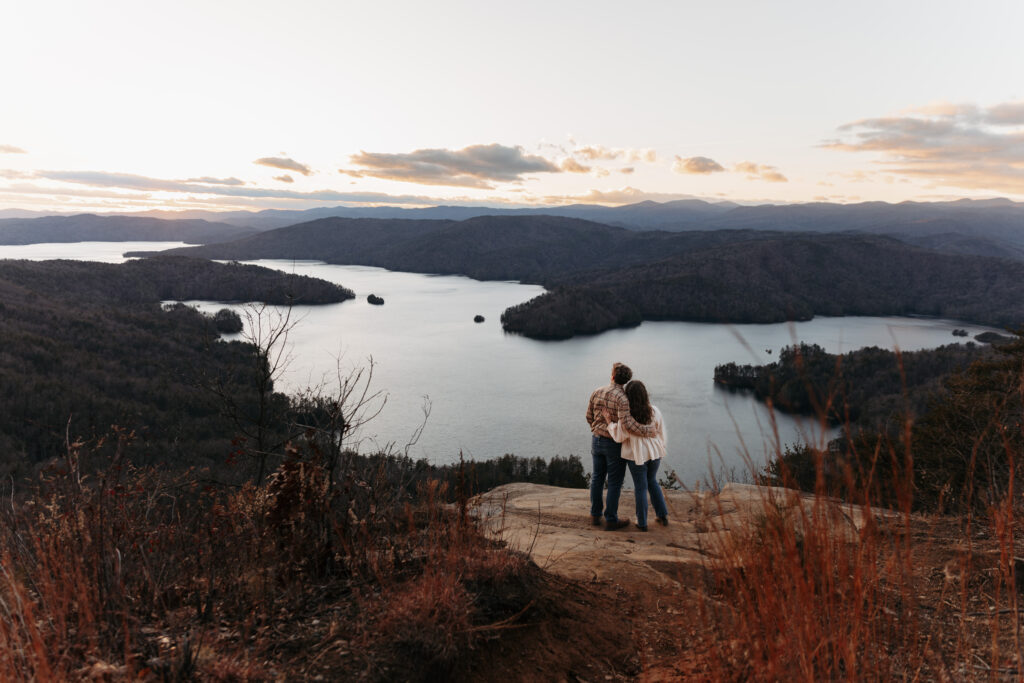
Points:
(607, 465)
(645, 480)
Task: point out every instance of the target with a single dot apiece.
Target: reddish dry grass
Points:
(907, 596)
(135, 574)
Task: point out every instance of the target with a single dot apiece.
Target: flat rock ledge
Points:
(553, 526)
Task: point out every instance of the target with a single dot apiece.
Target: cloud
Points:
(625, 195)
(284, 164)
(697, 165)
(648, 155)
(474, 166)
(602, 153)
(856, 176)
(598, 153)
(284, 178)
(127, 181)
(952, 145)
(627, 170)
(760, 172)
(207, 180)
(11, 149)
(1009, 113)
(29, 189)
(570, 165)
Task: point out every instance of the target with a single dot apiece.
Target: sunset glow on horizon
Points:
(121, 106)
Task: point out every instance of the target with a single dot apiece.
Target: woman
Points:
(643, 454)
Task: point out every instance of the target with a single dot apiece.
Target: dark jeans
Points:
(607, 465)
(645, 481)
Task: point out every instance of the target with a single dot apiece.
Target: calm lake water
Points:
(491, 393)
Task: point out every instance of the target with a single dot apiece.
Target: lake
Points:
(491, 393)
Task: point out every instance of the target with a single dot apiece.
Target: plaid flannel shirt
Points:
(613, 398)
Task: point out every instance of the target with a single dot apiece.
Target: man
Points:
(605, 453)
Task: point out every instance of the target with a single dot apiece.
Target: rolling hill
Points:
(92, 228)
(601, 277)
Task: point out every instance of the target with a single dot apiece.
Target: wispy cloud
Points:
(598, 153)
(602, 153)
(128, 181)
(754, 171)
(696, 165)
(474, 166)
(11, 149)
(284, 164)
(138, 183)
(625, 195)
(570, 165)
(648, 155)
(628, 170)
(284, 178)
(955, 145)
(207, 180)
(29, 189)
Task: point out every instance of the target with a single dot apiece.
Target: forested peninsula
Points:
(88, 345)
(956, 408)
(779, 278)
(862, 388)
(168, 278)
(600, 277)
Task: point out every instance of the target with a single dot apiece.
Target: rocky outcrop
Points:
(553, 526)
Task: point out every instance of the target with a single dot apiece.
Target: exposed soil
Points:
(541, 628)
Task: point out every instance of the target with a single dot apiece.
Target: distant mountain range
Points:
(640, 216)
(983, 227)
(684, 214)
(709, 261)
(601, 277)
(92, 228)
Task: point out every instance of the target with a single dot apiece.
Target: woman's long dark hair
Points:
(639, 402)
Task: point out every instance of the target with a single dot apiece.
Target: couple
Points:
(627, 430)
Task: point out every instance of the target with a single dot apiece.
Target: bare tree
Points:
(260, 420)
(333, 418)
(328, 417)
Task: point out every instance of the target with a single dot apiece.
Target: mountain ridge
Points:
(89, 227)
(602, 277)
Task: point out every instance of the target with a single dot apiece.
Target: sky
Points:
(224, 105)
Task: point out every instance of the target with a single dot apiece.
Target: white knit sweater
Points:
(640, 449)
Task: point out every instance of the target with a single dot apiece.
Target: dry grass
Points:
(808, 596)
(136, 574)
(144, 575)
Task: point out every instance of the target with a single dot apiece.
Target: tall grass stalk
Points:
(849, 582)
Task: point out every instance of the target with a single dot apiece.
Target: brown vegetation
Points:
(136, 574)
(372, 568)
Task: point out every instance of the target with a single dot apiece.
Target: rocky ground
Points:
(655, 591)
(553, 526)
(596, 605)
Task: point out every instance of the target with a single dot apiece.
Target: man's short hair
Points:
(621, 373)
